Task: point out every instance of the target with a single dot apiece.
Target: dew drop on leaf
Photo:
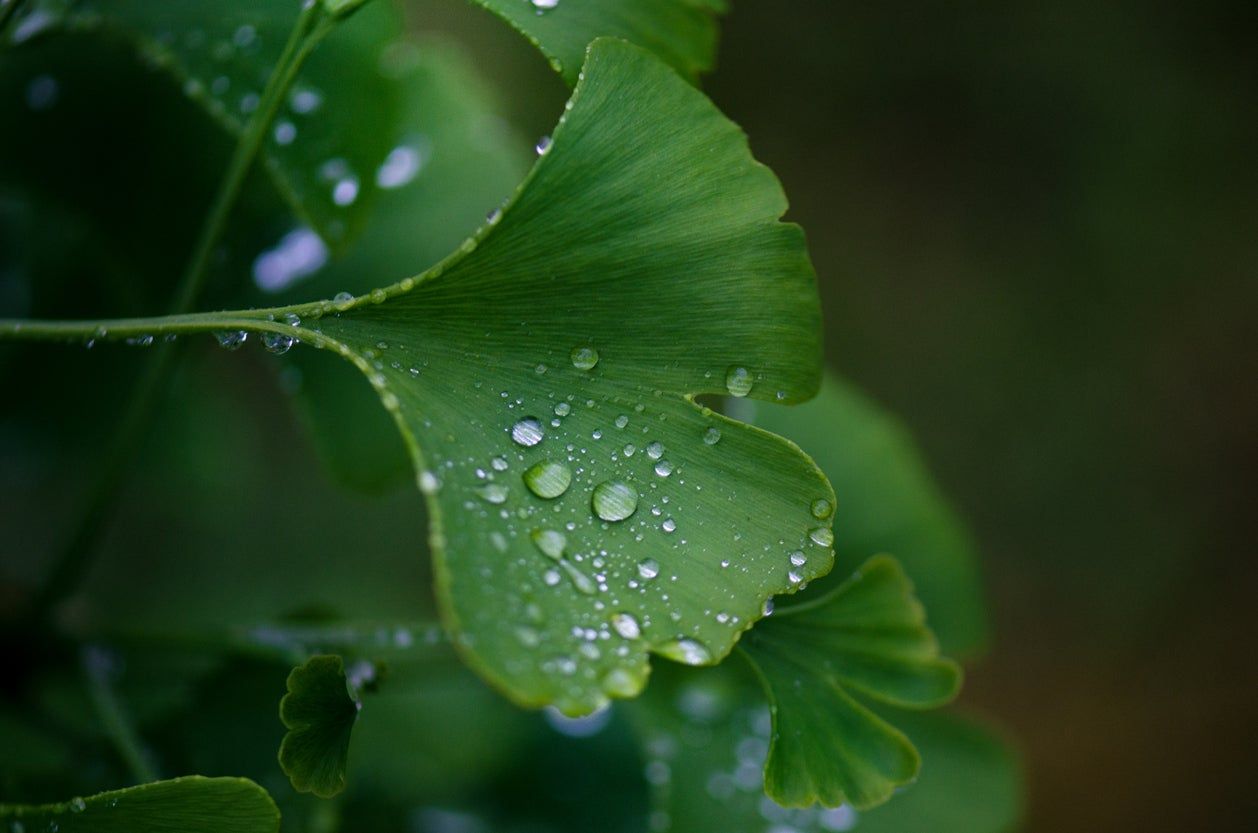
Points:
(550, 542)
(543, 145)
(231, 339)
(798, 558)
(614, 500)
(494, 493)
(648, 568)
(686, 651)
(627, 626)
(655, 450)
(563, 409)
(663, 468)
(343, 300)
(712, 436)
(622, 421)
(584, 358)
(821, 509)
(527, 432)
(277, 343)
(548, 479)
(738, 381)
(822, 536)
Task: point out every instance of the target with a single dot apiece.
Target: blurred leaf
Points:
(707, 736)
(336, 129)
(319, 714)
(887, 502)
(682, 32)
(542, 378)
(867, 637)
(189, 805)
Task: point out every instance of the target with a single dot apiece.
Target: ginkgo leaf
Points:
(319, 713)
(585, 510)
(888, 503)
(706, 735)
(682, 32)
(339, 125)
(193, 804)
(866, 638)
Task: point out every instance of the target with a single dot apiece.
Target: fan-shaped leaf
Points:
(189, 805)
(868, 637)
(682, 32)
(319, 713)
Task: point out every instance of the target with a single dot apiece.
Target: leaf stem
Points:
(313, 24)
(99, 669)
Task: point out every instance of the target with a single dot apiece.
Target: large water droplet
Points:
(738, 381)
(614, 500)
(544, 5)
(548, 479)
(686, 651)
(527, 432)
(278, 343)
(232, 339)
(821, 509)
(822, 536)
(550, 542)
(712, 436)
(627, 626)
(562, 409)
(655, 450)
(584, 358)
(663, 468)
(648, 568)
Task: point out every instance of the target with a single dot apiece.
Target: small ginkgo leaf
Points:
(337, 127)
(193, 804)
(867, 637)
(319, 713)
(642, 262)
(681, 32)
(888, 503)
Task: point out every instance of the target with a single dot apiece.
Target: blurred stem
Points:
(98, 667)
(313, 24)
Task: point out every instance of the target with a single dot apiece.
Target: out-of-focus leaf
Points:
(888, 503)
(319, 713)
(707, 734)
(338, 124)
(189, 805)
(682, 32)
(868, 637)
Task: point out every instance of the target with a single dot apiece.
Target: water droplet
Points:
(822, 536)
(622, 421)
(712, 436)
(663, 468)
(655, 450)
(669, 525)
(544, 5)
(41, 92)
(580, 580)
(345, 191)
(527, 432)
(399, 167)
(141, 340)
(277, 343)
(627, 626)
(621, 682)
(563, 409)
(77, 805)
(798, 558)
(686, 651)
(767, 609)
(231, 340)
(548, 479)
(493, 493)
(738, 381)
(584, 358)
(648, 568)
(614, 500)
(285, 133)
(428, 483)
(305, 101)
(499, 463)
(629, 449)
(542, 146)
(550, 542)
(493, 216)
(821, 509)
(299, 254)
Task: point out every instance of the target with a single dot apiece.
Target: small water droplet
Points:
(664, 468)
(548, 479)
(563, 409)
(767, 609)
(738, 381)
(277, 343)
(821, 509)
(655, 450)
(542, 146)
(584, 358)
(493, 493)
(798, 558)
(544, 5)
(629, 449)
(648, 568)
(620, 682)
(231, 339)
(428, 483)
(499, 463)
(77, 805)
(669, 525)
(527, 432)
(686, 651)
(614, 500)
(145, 340)
(550, 542)
(822, 536)
(343, 300)
(345, 191)
(627, 626)
(712, 436)
(622, 421)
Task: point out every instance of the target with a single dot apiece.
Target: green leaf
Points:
(319, 713)
(340, 121)
(193, 804)
(682, 32)
(706, 735)
(887, 502)
(647, 235)
(868, 638)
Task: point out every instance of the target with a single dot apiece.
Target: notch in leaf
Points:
(319, 711)
(867, 638)
(193, 804)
